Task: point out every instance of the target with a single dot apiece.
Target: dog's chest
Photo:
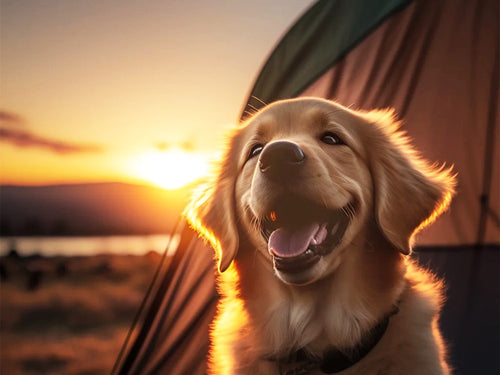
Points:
(290, 325)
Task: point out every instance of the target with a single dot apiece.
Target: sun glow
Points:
(171, 169)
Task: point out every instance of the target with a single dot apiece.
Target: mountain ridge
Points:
(101, 208)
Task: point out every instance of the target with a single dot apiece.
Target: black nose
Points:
(281, 159)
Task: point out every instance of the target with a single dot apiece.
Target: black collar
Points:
(334, 360)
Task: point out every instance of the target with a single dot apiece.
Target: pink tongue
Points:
(285, 242)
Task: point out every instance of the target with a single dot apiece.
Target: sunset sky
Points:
(122, 90)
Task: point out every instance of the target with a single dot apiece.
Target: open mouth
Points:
(299, 232)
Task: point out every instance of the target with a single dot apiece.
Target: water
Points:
(69, 246)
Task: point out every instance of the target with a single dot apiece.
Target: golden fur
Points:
(388, 193)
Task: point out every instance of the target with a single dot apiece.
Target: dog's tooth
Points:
(335, 227)
(321, 234)
(309, 252)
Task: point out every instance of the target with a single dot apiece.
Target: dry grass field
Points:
(68, 315)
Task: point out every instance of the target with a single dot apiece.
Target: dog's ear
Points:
(408, 192)
(212, 211)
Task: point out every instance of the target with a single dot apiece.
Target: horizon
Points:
(132, 182)
(98, 209)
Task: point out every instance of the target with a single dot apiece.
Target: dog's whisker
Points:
(253, 107)
(248, 113)
(346, 213)
(257, 225)
(255, 222)
(352, 210)
(259, 100)
(349, 211)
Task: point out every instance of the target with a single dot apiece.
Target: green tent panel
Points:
(316, 42)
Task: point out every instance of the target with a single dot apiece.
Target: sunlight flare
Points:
(171, 169)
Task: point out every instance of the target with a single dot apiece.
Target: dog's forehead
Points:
(298, 116)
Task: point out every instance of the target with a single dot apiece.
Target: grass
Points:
(68, 315)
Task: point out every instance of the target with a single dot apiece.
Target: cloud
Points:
(10, 118)
(11, 133)
(162, 146)
(25, 139)
(187, 145)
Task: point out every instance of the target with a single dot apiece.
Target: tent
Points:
(437, 63)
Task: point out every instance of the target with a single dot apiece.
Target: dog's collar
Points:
(334, 360)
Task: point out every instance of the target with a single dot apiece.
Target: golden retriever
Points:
(312, 213)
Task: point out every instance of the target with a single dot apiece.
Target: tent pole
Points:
(489, 153)
(484, 199)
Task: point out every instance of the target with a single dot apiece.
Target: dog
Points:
(312, 212)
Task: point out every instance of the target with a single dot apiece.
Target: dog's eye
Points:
(331, 139)
(255, 150)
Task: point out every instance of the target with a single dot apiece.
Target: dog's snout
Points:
(280, 159)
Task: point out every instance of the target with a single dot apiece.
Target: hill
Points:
(89, 209)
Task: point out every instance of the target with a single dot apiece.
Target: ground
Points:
(68, 315)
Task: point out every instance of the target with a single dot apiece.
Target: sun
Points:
(171, 169)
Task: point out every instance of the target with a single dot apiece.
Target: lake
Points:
(86, 246)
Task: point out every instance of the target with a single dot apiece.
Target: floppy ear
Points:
(408, 192)
(212, 212)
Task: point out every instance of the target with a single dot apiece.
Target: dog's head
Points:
(305, 179)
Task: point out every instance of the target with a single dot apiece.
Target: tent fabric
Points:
(173, 337)
(436, 62)
(470, 316)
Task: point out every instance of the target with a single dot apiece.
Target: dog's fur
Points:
(388, 193)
